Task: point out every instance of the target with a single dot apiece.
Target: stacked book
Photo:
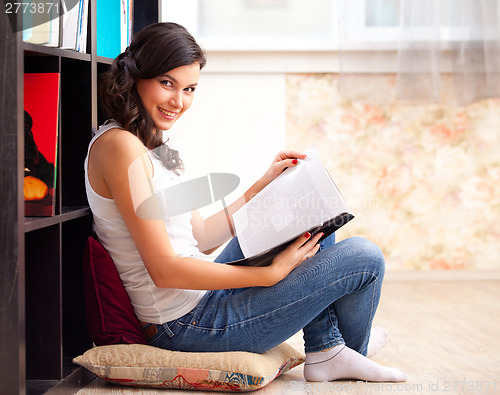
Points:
(64, 24)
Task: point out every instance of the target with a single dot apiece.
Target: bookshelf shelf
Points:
(37, 49)
(69, 213)
(104, 60)
(42, 314)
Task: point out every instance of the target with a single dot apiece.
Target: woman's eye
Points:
(191, 89)
(166, 83)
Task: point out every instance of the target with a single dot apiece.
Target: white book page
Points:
(70, 26)
(301, 198)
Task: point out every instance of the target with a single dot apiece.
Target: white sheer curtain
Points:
(448, 51)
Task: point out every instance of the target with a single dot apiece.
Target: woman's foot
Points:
(341, 362)
(378, 339)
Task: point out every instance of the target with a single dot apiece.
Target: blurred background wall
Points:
(421, 173)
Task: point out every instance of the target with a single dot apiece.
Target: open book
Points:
(303, 198)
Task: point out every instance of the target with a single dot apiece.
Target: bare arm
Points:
(109, 164)
(217, 229)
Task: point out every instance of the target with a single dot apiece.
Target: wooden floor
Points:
(445, 336)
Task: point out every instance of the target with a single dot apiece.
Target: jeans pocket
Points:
(162, 336)
(196, 312)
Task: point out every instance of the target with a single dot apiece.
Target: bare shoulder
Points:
(119, 141)
(110, 158)
(116, 147)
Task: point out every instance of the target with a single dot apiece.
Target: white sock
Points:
(378, 339)
(341, 362)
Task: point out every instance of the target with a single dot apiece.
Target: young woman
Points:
(186, 302)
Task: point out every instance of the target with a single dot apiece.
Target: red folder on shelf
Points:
(41, 109)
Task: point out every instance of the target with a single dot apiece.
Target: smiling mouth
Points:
(168, 114)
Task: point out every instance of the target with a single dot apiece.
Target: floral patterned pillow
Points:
(146, 366)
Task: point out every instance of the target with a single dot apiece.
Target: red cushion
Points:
(110, 316)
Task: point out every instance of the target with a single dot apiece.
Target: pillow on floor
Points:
(147, 366)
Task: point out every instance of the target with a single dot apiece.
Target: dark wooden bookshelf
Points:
(104, 61)
(68, 214)
(36, 49)
(42, 315)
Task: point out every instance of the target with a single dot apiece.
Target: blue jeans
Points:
(332, 296)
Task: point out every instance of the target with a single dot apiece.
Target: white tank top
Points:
(151, 304)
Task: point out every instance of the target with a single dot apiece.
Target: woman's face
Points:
(168, 96)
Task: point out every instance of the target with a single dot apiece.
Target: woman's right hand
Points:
(301, 249)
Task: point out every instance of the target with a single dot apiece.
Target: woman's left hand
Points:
(283, 159)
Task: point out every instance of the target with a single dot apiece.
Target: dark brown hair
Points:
(154, 51)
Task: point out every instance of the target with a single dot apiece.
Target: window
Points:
(257, 24)
(446, 21)
(368, 21)
(295, 25)
(306, 35)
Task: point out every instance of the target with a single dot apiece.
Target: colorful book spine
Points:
(107, 23)
(112, 27)
(41, 109)
(81, 37)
